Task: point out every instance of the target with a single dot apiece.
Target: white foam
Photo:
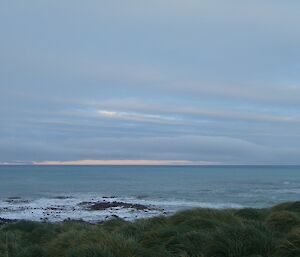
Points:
(55, 210)
(60, 208)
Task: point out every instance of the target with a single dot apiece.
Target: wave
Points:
(59, 208)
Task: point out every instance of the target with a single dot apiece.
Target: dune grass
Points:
(249, 232)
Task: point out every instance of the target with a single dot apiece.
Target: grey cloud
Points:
(105, 77)
(181, 111)
(208, 80)
(198, 148)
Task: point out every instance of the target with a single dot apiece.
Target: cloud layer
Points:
(200, 81)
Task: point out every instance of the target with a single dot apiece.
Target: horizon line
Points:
(132, 163)
(108, 162)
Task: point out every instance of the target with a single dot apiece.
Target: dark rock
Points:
(6, 221)
(61, 197)
(106, 197)
(107, 205)
(85, 203)
(16, 200)
(54, 209)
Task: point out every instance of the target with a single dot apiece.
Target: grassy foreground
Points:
(273, 232)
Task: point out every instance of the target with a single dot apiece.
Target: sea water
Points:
(55, 193)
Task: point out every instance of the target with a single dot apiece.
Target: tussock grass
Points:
(249, 232)
(290, 246)
(282, 221)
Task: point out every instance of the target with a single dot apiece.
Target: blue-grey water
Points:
(170, 187)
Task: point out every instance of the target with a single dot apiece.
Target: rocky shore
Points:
(59, 209)
(247, 232)
(6, 221)
(103, 205)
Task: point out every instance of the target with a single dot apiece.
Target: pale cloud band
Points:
(124, 162)
(150, 82)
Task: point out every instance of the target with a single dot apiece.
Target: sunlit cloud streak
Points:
(137, 116)
(124, 162)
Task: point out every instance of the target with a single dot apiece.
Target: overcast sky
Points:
(212, 81)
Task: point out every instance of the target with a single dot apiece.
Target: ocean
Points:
(56, 193)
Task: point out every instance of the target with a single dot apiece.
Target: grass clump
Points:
(91, 250)
(282, 221)
(33, 251)
(288, 206)
(252, 213)
(249, 232)
(290, 246)
(240, 240)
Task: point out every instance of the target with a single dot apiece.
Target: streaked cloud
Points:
(208, 81)
(188, 110)
(137, 116)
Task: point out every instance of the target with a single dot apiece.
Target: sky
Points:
(212, 82)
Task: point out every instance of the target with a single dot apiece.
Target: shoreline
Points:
(100, 205)
(250, 232)
(98, 211)
(94, 209)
